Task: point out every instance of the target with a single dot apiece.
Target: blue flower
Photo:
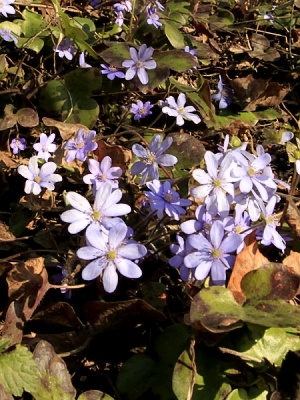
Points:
(111, 253)
(213, 254)
(112, 72)
(80, 146)
(190, 51)
(224, 96)
(65, 48)
(152, 157)
(18, 144)
(103, 212)
(153, 18)
(82, 63)
(163, 199)
(140, 61)
(180, 250)
(140, 109)
(8, 36)
(6, 8)
(101, 173)
(45, 146)
(39, 178)
(123, 6)
(179, 111)
(120, 18)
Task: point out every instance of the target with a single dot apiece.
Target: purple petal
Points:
(79, 202)
(94, 268)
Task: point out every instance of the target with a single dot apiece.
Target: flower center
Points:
(180, 110)
(238, 229)
(96, 215)
(271, 220)
(251, 171)
(112, 68)
(142, 111)
(111, 255)
(216, 253)
(151, 158)
(80, 145)
(139, 64)
(217, 182)
(169, 197)
(17, 142)
(37, 179)
(101, 177)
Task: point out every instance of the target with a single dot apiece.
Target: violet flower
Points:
(190, 51)
(80, 146)
(140, 109)
(65, 48)
(125, 5)
(178, 110)
(224, 96)
(120, 18)
(163, 199)
(213, 254)
(102, 213)
(180, 250)
(6, 8)
(8, 36)
(102, 172)
(140, 61)
(111, 253)
(39, 178)
(45, 146)
(153, 18)
(17, 145)
(111, 72)
(202, 222)
(152, 157)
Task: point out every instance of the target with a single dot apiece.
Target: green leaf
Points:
(116, 54)
(18, 371)
(94, 395)
(134, 378)
(177, 60)
(174, 35)
(32, 24)
(54, 381)
(271, 344)
(4, 342)
(14, 28)
(221, 19)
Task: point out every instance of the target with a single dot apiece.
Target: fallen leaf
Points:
(249, 259)
(120, 156)
(66, 130)
(292, 217)
(262, 49)
(292, 262)
(27, 117)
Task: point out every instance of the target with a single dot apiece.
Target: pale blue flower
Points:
(111, 253)
(38, 178)
(45, 146)
(103, 212)
(213, 255)
(65, 48)
(224, 96)
(190, 51)
(125, 5)
(102, 172)
(202, 222)
(17, 145)
(140, 109)
(120, 18)
(111, 72)
(152, 157)
(215, 184)
(286, 136)
(240, 224)
(6, 8)
(82, 63)
(8, 36)
(178, 110)
(164, 200)
(80, 146)
(140, 61)
(180, 250)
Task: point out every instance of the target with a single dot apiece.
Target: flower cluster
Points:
(238, 195)
(79, 147)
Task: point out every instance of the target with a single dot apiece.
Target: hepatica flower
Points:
(111, 253)
(177, 109)
(140, 109)
(80, 146)
(6, 8)
(102, 172)
(163, 199)
(102, 213)
(180, 250)
(224, 95)
(8, 36)
(45, 146)
(111, 72)
(65, 48)
(82, 63)
(123, 6)
(152, 157)
(213, 255)
(140, 61)
(17, 145)
(38, 178)
(153, 18)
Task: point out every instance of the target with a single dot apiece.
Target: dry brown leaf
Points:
(249, 259)
(66, 130)
(292, 217)
(292, 262)
(120, 156)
